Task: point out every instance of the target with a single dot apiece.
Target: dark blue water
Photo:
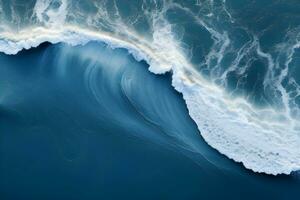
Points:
(78, 126)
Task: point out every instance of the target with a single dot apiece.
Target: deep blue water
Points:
(69, 131)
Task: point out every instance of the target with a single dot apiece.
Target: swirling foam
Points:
(263, 140)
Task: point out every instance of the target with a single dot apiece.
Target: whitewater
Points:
(264, 139)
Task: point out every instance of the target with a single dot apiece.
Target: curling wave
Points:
(264, 139)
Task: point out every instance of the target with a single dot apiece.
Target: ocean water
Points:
(149, 99)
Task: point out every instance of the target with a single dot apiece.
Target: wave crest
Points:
(262, 139)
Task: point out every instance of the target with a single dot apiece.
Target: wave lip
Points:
(260, 139)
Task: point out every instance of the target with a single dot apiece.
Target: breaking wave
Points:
(260, 130)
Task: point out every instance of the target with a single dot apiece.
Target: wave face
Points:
(94, 120)
(234, 62)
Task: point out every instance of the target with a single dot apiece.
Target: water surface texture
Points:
(149, 99)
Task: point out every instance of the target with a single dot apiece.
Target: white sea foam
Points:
(263, 140)
(51, 16)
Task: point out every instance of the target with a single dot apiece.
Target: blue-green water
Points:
(149, 99)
